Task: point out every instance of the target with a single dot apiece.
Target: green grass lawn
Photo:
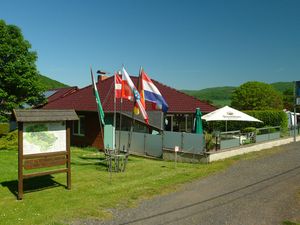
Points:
(47, 201)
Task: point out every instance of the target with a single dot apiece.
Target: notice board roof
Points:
(39, 115)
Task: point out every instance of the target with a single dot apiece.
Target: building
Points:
(86, 131)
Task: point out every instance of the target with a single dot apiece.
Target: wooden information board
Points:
(43, 142)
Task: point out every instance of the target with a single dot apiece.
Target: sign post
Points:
(43, 141)
(176, 149)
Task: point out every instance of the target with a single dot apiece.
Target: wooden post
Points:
(20, 161)
(68, 125)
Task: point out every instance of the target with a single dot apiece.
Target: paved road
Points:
(258, 191)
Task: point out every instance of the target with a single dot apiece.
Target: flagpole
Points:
(133, 120)
(115, 116)
(120, 128)
(99, 114)
(295, 116)
(120, 117)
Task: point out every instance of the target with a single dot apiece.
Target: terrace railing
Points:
(233, 139)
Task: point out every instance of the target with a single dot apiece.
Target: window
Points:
(179, 122)
(79, 126)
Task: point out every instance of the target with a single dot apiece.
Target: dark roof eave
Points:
(42, 115)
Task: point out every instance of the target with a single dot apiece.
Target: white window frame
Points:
(77, 133)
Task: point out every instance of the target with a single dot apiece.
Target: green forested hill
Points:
(282, 86)
(220, 96)
(50, 83)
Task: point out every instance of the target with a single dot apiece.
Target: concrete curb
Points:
(215, 156)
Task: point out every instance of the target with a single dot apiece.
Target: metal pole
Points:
(115, 115)
(295, 117)
(120, 128)
(132, 116)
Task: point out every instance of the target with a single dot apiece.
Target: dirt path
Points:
(259, 191)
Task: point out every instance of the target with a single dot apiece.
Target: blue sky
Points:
(185, 44)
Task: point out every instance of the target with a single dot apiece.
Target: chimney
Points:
(102, 77)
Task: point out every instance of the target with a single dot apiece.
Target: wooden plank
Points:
(26, 176)
(44, 155)
(20, 161)
(47, 162)
(47, 158)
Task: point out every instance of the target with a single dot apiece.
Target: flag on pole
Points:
(142, 96)
(98, 101)
(133, 92)
(152, 94)
(126, 88)
(118, 86)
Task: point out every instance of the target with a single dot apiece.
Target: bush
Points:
(271, 118)
(249, 130)
(4, 128)
(267, 130)
(9, 141)
(209, 141)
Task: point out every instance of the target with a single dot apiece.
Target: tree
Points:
(19, 82)
(288, 99)
(255, 95)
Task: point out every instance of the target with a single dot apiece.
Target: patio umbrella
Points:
(228, 114)
(198, 122)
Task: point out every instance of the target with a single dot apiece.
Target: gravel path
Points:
(258, 191)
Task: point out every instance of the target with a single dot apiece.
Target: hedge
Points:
(271, 118)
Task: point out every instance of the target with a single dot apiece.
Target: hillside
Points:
(50, 83)
(220, 96)
(282, 86)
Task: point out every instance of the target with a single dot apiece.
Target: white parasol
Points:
(228, 114)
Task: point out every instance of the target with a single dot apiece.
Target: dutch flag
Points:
(152, 94)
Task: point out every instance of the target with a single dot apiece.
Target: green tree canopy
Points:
(19, 82)
(288, 99)
(255, 95)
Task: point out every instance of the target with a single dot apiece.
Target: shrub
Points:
(209, 141)
(271, 118)
(4, 128)
(9, 141)
(267, 130)
(249, 130)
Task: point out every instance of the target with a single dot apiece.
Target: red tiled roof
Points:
(84, 100)
(61, 93)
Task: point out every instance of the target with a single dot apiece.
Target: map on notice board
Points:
(44, 137)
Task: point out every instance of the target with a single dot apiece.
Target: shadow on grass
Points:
(100, 161)
(32, 184)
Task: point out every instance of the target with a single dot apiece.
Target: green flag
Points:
(98, 101)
